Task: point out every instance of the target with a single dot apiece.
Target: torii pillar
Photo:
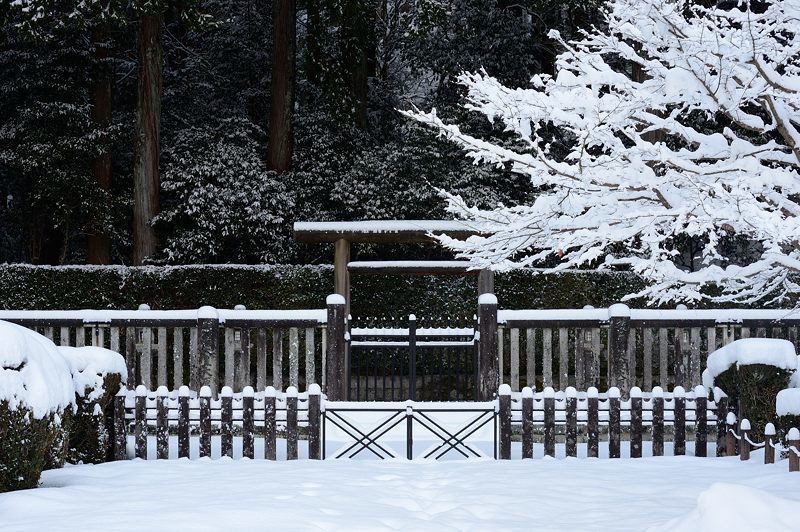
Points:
(341, 276)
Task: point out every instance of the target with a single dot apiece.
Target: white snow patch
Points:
(89, 365)
(787, 403)
(748, 351)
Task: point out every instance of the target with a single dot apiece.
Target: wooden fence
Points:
(737, 441)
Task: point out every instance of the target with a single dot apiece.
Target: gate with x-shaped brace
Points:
(448, 429)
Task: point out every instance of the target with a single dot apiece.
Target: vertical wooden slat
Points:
(261, 359)
(721, 413)
(613, 423)
(680, 346)
(636, 422)
(291, 423)
(63, 338)
(745, 332)
(530, 358)
(114, 340)
(563, 358)
(162, 356)
(310, 363)
(696, 365)
(270, 446)
(229, 357)
(177, 357)
(80, 336)
(140, 420)
(294, 357)
(594, 370)
(183, 422)
(314, 422)
(242, 377)
(120, 427)
(658, 421)
(700, 422)
(711, 344)
(146, 358)
(49, 333)
(663, 358)
(277, 359)
(680, 421)
(500, 356)
(571, 443)
(631, 354)
(98, 336)
(527, 422)
(592, 426)
(580, 351)
(205, 421)
(514, 354)
(647, 359)
(194, 360)
(769, 441)
(162, 424)
(130, 355)
(547, 357)
(504, 399)
(226, 425)
(549, 422)
(324, 358)
(728, 334)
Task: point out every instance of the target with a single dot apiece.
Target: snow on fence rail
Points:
(739, 442)
(204, 347)
(623, 347)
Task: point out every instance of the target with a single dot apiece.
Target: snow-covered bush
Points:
(752, 371)
(36, 396)
(787, 410)
(96, 374)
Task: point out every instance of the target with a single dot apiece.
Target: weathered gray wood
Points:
(744, 443)
(618, 331)
(696, 364)
(162, 356)
(663, 358)
(530, 358)
(208, 348)
(195, 374)
(730, 439)
(794, 460)
(513, 339)
(49, 333)
(594, 367)
(658, 421)
(80, 336)
(711, 342)
(177, 357)
(277, 359)
(314, 423)
(146, 358)
(547, 357)
(261, 359)
(636, 423)
(341, 277)
(700, 424)
(205, 421)
(647, 358)
(488, 349)
(294, 357)
(334, 370)
(631, 355)
(680, 346)
(505, 422)
(162, 424)
(769, 441)
(613, 423)
(248, 423)
(130, 355)
(563, 358)
(291, 423)
(745, 332)
(140, 420)
(722, 427)
(243, 377)
(230, 365)
(549, 422)
(527, 422)
(226, 425)
(183, 422)
(270, 445)
(679, 413)
(63, 338)
(310, 363)
(501, 375)
(592, 425)
(572, 423)
(580, 352)
(728, 334)
(113, 340)
(120, 428)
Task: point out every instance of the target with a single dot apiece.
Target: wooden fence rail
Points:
(737, 441)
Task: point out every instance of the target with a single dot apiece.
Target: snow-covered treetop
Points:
(681, 123)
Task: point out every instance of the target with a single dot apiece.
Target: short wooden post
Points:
(120, 426)
(248, 440)
(730, 437)
(226, 425)
(700, 421)
(613, 422)
(658, 421)
(205, 421)
(291, 423)
(572, 422)
(793, 439)
(488, 361)
(270, 445)
(207, 370)
(769, 442)
(721, 413)
(335, 364)
(593, 422)
(636, 422)
(504, 398)
(549, 422)
(162, 423)
(140, 419)
(744, 443)
(527, 422)
(679, 413)
(183, 422)
(314, 422)
(618, 330)
(410, 431)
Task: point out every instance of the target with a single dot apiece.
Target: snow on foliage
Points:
(748, 351)
(681, 124)
(32, 372)
(89, 366)
(787, 402)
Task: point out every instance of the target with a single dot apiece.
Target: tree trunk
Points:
(281, 136)
(148, 120)
(98, 249)
(313, 49)
(358, 34)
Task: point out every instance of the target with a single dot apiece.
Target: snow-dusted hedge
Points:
(37, 395)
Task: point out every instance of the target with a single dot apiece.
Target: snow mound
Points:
(787, 403)
(89, 366)
(32, 372)
(748, 351)
(735, 507)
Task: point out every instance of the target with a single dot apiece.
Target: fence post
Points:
(412, 357)
(722, 410)
(183, 422)
(636, 422)
(226, 422)
(701, 421)
(744, 444)
(291, 423)
(619, 328)
(527, 422)
(409, 430)
(504, 397)
(730, 439)
(549, 422)
(613, 423)
(571, 443)
(335, 363)
(679, 413)
(269, 424)
(592, 424)
(658, 421)
(162, 423)
(314, 418)
(248, 423)
(120, 426)
(769, 441)
(205, 374)
(793, 439)
(205, 421)
(488, 362)
(140, 416)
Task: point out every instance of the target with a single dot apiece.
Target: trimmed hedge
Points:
(294, 287)
(89, 436)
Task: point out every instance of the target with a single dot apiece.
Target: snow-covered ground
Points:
(669, 493)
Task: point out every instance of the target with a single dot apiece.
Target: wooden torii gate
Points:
(344, 234)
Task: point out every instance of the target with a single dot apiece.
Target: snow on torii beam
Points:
(342, 234)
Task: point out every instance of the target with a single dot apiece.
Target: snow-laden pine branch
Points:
(679, 122)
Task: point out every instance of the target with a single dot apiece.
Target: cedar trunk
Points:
(98, 247)
(281, 136)
(148, 120)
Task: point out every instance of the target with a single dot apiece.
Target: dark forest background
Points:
(190, 132)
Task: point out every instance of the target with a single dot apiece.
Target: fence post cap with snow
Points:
(487, 299)
(619, 310)
(335, 299)
(143, 306)
(207, 312)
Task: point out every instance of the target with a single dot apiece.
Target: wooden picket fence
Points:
(737, 441)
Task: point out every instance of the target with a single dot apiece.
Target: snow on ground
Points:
(669, 493)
